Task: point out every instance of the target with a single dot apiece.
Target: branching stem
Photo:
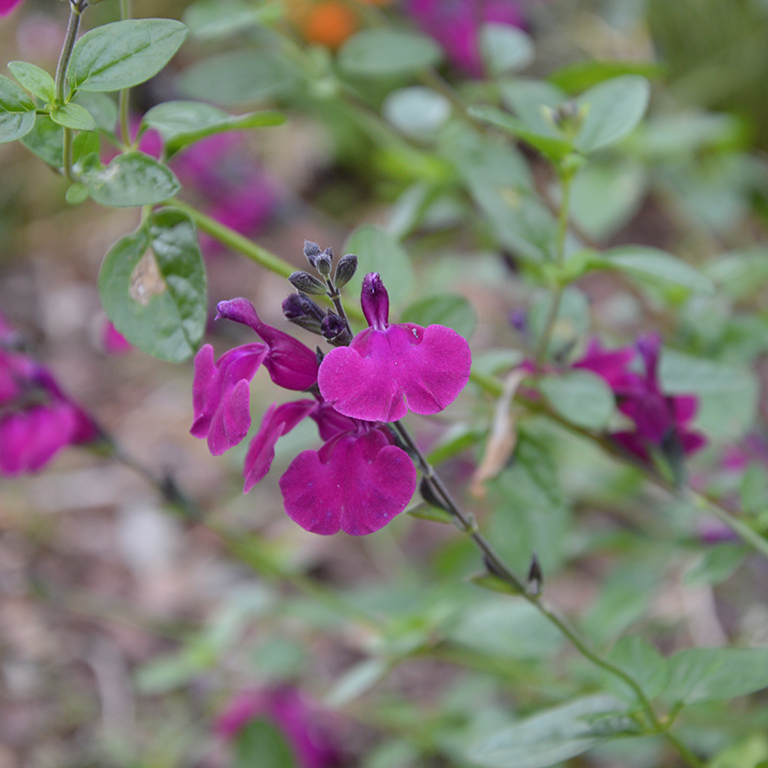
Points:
(496, 566)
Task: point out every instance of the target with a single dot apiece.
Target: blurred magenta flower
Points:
(456, 24)
(357, 482)
(6, 6)
(234, 187)
(287, 709)
(661, 421)
(37, 419)
(391, 368)
(112, 341)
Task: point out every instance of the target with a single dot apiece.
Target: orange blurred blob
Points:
(329, 23)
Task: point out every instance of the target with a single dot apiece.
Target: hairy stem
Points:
(496, 566)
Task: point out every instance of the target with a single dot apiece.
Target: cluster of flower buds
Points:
(299, 308)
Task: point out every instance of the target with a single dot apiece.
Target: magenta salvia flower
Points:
(661, 421)
(391, 368)
(357, 482)
(37, 419)
(6, 6)
(220, 390)
(298, 719)
(455, 24)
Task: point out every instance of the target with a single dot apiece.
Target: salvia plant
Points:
(580, 414)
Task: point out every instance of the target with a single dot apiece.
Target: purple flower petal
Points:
(356, 484)
(6, 6)
(382, 369)
(30, 439)
(291, 365)
(221, 394)
(277, 421)
(374, 300)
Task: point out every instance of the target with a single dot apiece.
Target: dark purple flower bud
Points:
(324, 262)
(535, 576)
(375, 301)
(336, 331)
(311, 251)
(303, 281)
(290, 364)
(345, 270)
(302, 311)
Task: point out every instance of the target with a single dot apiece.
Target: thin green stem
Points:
(496, 566)
(124, 97)
(76, 8)
(73, 25)
(566, 177)
(235, 240)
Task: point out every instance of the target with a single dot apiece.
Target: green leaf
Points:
(388, 52)
(749, 753)
(728, 395)
(505, 48)
(45, 140)
(581, 397)
(533, 101)
(754, 489)
(494, 584)
(498, 626)
(554, 735)
(102, 107)
(208, 19)
(238, 77)
(638, 658)
(717, 565)
(426, 511)
(152, 286)
(644, 261)
(378, 251)
(553, 147)
(606, 195)
(34, 79)
(261, 744)
(614, 108)
(716, 674)
(124, 53)
(575, 78)
(17, 111)
(418, 112)
(76, 193)
(445, 309)
(181, 123)
(355, 682)
(530, 511)
(132, 178)
(73, 116)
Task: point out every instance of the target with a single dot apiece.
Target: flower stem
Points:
(566, 177)
(235, 240)
(466, 522)
(123, 99)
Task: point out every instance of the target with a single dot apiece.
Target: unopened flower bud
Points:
(311, 251)
(535, 576)
(336, 331)
(345, 270)
(300, 309)
(323, 262)
(307, 283)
